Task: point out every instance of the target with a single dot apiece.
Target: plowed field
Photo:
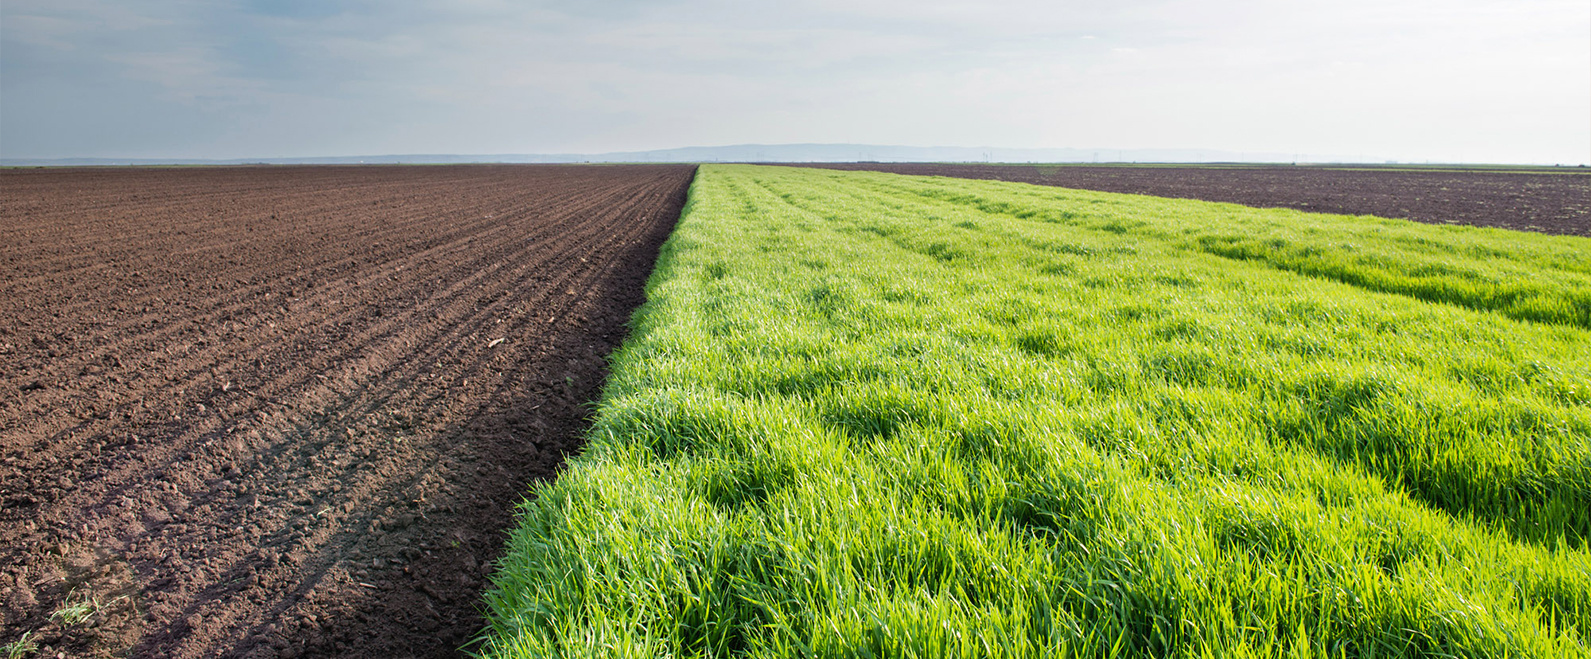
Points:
(283, 411)
(1555, 203)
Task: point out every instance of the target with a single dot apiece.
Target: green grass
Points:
(24, 646)
(868, 415)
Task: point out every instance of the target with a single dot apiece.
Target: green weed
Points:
(75, 613)
(22, 647)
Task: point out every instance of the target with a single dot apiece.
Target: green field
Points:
(869, 415)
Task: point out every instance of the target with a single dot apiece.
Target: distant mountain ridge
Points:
(746, 153)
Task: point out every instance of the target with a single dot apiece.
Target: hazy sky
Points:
(1467, 80)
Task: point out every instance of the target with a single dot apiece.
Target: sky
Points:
(1442, 80)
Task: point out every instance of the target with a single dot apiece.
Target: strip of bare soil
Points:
(1555, 203)
(285, 411)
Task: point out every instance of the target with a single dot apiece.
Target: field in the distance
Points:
(1553, 200)
(287, 411)
(873, 415)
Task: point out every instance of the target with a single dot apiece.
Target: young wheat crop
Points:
(874, 415)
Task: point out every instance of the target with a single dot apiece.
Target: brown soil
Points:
(1557, 202)
(285, 411)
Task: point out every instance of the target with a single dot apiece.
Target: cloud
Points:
(1404, 78)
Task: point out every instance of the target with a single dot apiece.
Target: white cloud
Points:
(1411, 79)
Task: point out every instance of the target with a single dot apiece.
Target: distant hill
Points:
(746, 153)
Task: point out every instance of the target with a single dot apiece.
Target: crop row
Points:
(873, 415)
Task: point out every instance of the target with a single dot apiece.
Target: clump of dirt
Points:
(288, 411)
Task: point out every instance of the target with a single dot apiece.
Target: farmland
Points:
(288, 411)
(282, 411)
(1545, 199)
(871, 415)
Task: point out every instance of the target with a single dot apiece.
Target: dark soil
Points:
(1531, 200)
(288, 411)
